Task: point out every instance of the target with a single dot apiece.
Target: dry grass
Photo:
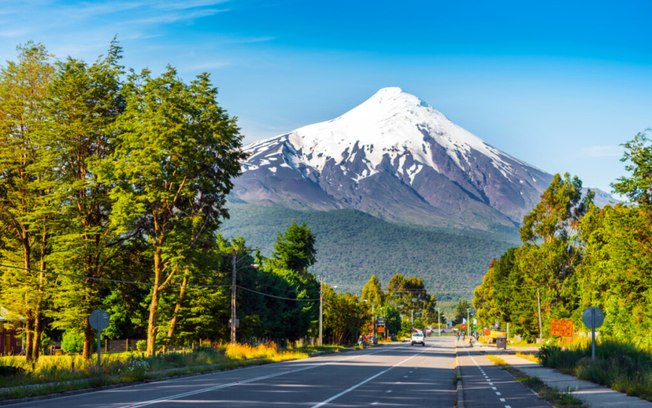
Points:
(267, 351)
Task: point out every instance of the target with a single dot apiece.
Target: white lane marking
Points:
(497, 393)
(494, 388)
(234, 383)
(336, 396)
(502, 399)
(388, 391)
(507, 406)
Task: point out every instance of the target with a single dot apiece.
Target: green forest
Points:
(352, 246)
(575, 255)
(113, 186)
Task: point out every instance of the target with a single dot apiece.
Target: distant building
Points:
(9, 339)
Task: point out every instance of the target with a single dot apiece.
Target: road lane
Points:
(489, 386)
(399, 375)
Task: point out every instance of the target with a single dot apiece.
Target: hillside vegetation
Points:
(352, 246)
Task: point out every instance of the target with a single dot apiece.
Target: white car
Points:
(418, 338)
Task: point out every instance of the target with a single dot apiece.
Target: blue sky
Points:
(558, 84)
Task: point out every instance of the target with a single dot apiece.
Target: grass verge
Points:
(556, 398)
(619, 366)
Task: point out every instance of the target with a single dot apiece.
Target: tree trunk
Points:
(36, 339)
(153, 306)
(89, 338)
(29, 333)
(151, 325)
(177, 307)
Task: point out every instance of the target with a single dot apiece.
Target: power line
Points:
(277, 297)
(128, 282)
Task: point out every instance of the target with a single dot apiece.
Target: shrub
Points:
(134, 370)
(9, 371)
(72, 341)
(141, 345)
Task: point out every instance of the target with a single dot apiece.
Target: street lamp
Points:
(321, 310)
(233, 306)
(234, 319)
(468, 321)
(373, 314)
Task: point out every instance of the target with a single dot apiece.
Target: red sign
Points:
(561, 328)
(381, 329)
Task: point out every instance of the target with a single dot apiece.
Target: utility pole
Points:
(321, 310)
(233, 312)
(539, 308)
(439, 320)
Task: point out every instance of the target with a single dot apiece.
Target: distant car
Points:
(418, 338)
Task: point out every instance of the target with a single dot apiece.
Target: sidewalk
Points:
(593, 395)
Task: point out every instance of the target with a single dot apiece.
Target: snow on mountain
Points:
(395, 157)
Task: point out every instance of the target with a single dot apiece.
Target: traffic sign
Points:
(561, 328)
(593, 317)
(99, 319)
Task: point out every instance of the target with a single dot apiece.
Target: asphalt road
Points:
(398, 375)
(487, 385)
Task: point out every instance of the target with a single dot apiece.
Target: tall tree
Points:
(344, 316)
(26, 183)
(638, 158)
(83, 105)
(558, 212)
(176, 152)
(294, 252)
(295, 249)
(372, 292)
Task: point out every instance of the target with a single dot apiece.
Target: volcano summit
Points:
(396, 158)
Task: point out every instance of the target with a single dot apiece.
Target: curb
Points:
(460, 387)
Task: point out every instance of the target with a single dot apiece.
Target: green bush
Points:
(141, 345)
(619, 366)
(72, 341)
(8, 371)
(134, 370)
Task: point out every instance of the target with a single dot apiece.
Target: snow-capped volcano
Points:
(395, 157)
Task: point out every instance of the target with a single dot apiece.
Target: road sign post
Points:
(593, 318)
(99, 320)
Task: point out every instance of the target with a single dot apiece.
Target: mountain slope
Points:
(398, 159)
(351, 246)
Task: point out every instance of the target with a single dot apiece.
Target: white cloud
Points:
(187, 4)
(182, 15)
(602, 151)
